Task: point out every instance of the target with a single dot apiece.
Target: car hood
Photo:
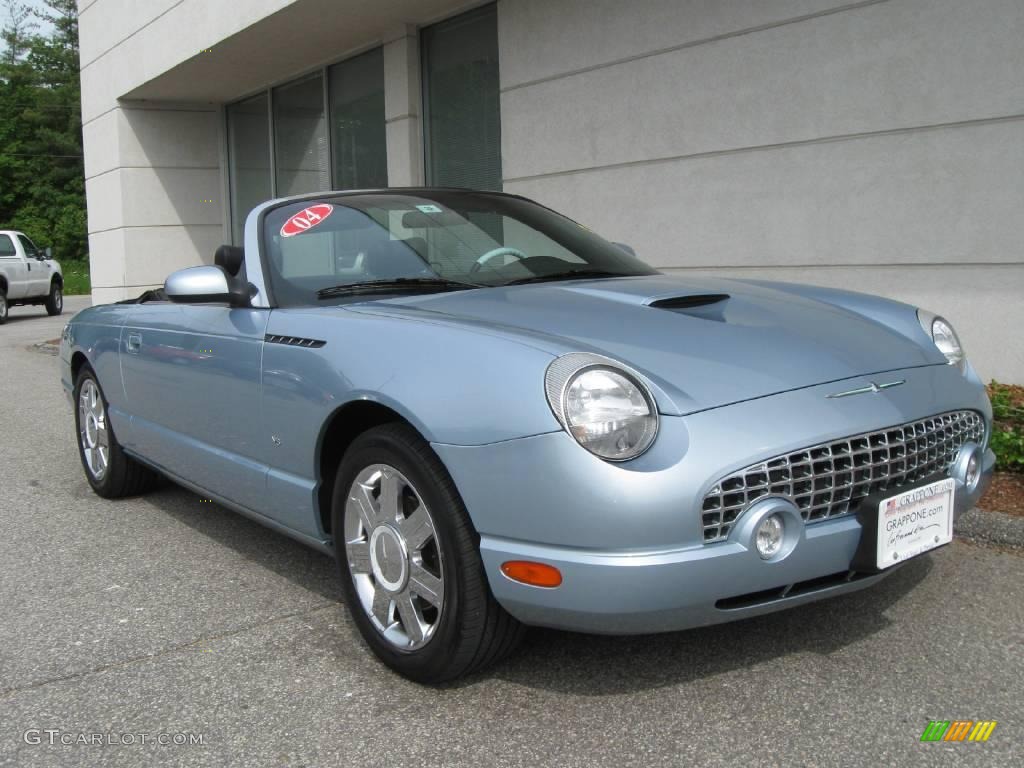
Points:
(703, 342)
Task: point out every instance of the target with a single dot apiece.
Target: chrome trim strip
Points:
(865, 390)
(294, 341)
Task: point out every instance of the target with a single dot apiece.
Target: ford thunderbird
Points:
(494, 418)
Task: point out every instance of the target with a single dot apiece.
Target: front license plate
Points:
(914, 521)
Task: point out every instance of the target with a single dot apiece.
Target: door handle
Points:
(134, 342)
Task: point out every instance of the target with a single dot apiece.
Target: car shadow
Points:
(304, 567)
(18, 318)
(588, 665)
(596, 665)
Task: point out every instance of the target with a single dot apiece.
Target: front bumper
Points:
(638, 593)
(627, 538)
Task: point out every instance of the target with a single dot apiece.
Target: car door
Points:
(38, 270)
(14, 267)
(191, 377)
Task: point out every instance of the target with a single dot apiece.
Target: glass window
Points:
(357, 122)
(300, 138)
(461, 101)
(7, 246)
(441, 235)
(248, 159)
(28, 246)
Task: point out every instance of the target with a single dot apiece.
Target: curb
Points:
(993, 528)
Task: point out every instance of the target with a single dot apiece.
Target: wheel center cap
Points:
(389, 559)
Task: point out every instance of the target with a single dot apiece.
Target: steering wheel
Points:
(494, 253)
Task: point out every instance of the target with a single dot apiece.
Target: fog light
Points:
(967, 467)
(768, 538)
(973, 468)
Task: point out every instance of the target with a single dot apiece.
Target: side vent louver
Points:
(294, 341)
(689, 302)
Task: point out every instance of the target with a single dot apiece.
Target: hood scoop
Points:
(689, 302)
(702, 306)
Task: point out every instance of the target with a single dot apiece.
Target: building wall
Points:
(877, 146)
(153, 169)
(155, 76)
(872, 145)
(153, 184)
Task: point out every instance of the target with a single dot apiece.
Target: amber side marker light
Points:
(534, 574)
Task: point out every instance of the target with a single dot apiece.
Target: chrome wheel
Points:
(58, 299)
(93, 434)
(394, 556)
(3, 306)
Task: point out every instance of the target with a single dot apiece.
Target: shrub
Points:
(76, 277)
(1007, 425)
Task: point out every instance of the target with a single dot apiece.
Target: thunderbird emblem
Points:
(865, 390)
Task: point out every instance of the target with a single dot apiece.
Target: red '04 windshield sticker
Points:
(306, 219)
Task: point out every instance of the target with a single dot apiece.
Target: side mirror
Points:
(48, 251)
(627, 248)
(205, 285)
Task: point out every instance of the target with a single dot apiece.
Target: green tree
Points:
(18, 25)
(42, 180)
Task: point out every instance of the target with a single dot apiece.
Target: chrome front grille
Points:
(827, 480)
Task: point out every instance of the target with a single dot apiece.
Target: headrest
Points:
(231, 258)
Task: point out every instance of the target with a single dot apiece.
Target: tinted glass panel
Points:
(300, 138)
(248, 158)
(463, 118)
(27, 245)
(7, 246)
(357, 122)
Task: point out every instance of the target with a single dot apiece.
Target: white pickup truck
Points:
(28, 275)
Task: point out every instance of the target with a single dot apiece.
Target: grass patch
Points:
(76, 278)
(1007, 426)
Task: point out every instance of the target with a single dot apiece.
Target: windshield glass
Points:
(430, 240)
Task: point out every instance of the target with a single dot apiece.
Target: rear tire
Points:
(422, 637)
(55, 301)
(111, 473)
(3, 306)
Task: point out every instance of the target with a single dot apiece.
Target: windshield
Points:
(427, 241)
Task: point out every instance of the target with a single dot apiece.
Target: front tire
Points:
(410, 561)
(55, 301)
(110, 472)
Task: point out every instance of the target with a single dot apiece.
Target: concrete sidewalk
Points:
(164, 614)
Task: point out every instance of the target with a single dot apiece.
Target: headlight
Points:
(602, 405)
(944, 337)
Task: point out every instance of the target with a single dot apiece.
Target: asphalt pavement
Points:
(166, 618)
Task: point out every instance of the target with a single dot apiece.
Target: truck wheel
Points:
(109, 471)
(55, 301)
(410, 563)
(3, 306)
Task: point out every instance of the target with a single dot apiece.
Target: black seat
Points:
(418, 244)
(231, 258)
(393, 258)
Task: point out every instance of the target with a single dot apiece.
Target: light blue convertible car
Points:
(495, 418)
